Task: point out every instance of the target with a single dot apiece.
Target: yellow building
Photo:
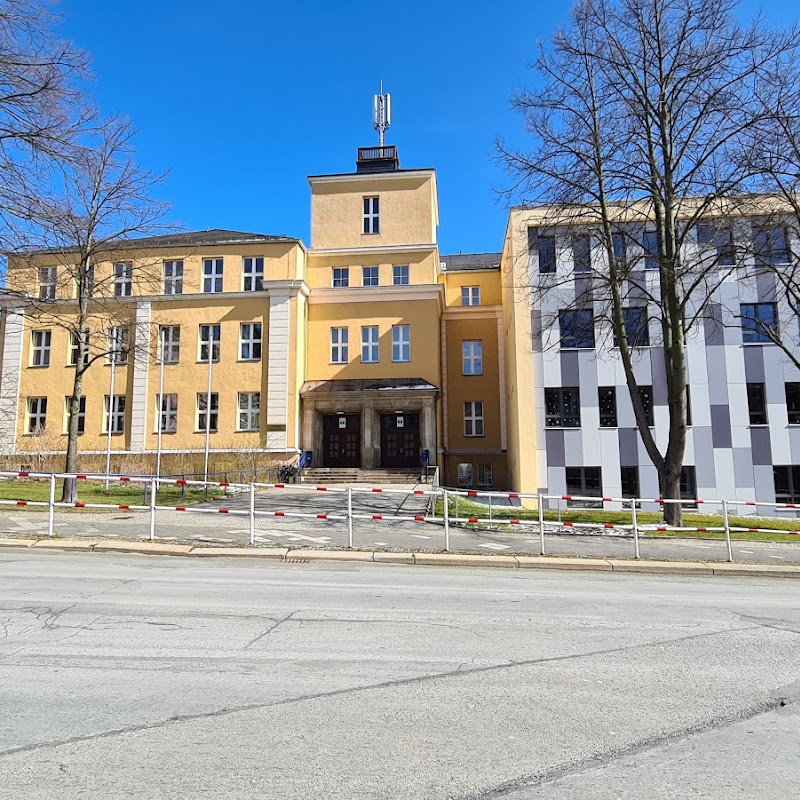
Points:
(369, 350)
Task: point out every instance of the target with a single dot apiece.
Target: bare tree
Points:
(42, 107)
(88, 224)
(644, 109)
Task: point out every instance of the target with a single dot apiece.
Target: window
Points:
(170, 343)
(770, 245)
(212, 275)
(40, 355)
(646, 396)
(546, 247)
(249, 411)
(338, 345)
(250, 341)
(168, 413)
(81, 414)
(400, 275)
(401, 343)
(757, 403)
(37, 414)
(341, 276)
(173, 277)
(618, 245)
(470, 295)
(629, 478)
(717, 240)
(117, 345)
(584, 481)
(372, 222)
(637, 332)
(484, 476)
(793, 403)
(369, 344)
(209, 420)
(472, 357)
(576, 328)
(74, 348)
(607, 400)
(688, 406)
(787, 484)
(582, 253)
(48, 276)
(650, 247)
(209, 336)
(117, 414)
(473, 419)
(562, 408)
(123, 279)
(253, 274)
(465, 475)
(369, 276)
(759, 322)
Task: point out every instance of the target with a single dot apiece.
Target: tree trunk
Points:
(671, 490)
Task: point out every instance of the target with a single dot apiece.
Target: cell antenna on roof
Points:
(381, 113)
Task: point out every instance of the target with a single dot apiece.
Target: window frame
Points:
(472, 357)
(650, 250)
(215, 342)
(251, 341)
(792, 403)
(250, 411)
(472, 295)
(371, 214)
(213, 275)
(47, 287)
(556, 396)
(769, 256)
(584, 481)
(173, 276)
(116, 415)
(608, 419)
(474, 420)
(166, 412)
(81, 414)
(574, 331)
(718, 238)
(401, 275)
(340, 344)
(751, 332)
(368, 345)
(123, 279)
(401, 344)
(586, 264)
(74, 347)
(757, 410)
(41, 347)
(118, 345)
(39, 414)
(551, 263)
(482, 472)
(340, 277)
(169, 344)
(252, 273)
(371, 279)
(643, 327)
(646, 396)
(213, 419)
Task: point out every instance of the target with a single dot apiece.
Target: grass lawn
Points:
(95, 493)
(466, 508)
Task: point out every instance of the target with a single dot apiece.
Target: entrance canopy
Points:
(376, 423)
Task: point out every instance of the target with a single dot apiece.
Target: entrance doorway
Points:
(400, 440)
(341, 440)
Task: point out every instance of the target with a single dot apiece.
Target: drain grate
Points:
(296, 561)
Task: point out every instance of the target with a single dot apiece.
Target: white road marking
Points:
(381, 544)
(419, 536)
(317, 539)
(778, 557)
(495, 546)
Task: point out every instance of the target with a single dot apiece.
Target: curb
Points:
(282, 554)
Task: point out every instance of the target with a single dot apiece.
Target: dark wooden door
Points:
(341, 440)
(400, 440)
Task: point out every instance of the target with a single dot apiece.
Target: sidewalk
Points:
(652, 567)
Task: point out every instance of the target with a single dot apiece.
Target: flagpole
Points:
(208, 400)
(109, 415)
(160, 398)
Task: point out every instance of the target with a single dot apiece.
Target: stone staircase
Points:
(375, 477)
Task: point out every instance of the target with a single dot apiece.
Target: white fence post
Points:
(252, 515)
(540, 502)
(635, 529)
(727, 529)
(446, 503)
(349, 516)
(152, 509)
(51, 508)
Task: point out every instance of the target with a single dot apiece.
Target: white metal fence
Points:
(433, 493)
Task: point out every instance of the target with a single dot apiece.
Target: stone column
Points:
(428, 428)
(10, 379)
(368, 443)
(307, 437)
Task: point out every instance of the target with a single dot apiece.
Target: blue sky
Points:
(240, 101)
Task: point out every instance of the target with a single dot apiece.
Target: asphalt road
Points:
(388, 533)
(160, 678)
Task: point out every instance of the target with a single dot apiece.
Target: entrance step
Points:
(376, 477)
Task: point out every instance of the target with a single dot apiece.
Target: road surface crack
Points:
(270, 629)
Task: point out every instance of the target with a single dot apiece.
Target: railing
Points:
(449, 497)
(375, 153)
